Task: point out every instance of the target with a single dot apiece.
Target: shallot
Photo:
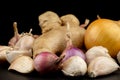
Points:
(70, 49)
(45, 62)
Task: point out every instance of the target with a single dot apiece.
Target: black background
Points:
(26, 13)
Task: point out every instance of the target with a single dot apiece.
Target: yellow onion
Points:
(103, 32)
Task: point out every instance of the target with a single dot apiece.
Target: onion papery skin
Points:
(44, 62)
(103, 32)
(73, 51)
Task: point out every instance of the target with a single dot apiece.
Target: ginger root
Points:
(54, 30)
(49, 20)
(71, 19)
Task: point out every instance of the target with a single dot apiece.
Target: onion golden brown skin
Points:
(103, 32)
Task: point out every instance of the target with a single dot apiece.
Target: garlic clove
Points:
(2, 47)
(96, 51)
(3, 56)
(74, 66)
(118, 57)
(23, 64)
(11, 55)
(102, 66)
(3, 50)
(25, 42)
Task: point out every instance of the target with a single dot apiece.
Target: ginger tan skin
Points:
(54, 30)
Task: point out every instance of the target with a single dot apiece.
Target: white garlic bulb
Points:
(96, 51)
(102, 66)
(74, 66)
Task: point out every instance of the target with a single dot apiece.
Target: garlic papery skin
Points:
(3, 50)
(102, 66)
(25, 42)
(23, 64)
(74, 66)
(118, 57)
(96, 51)
(11, 55)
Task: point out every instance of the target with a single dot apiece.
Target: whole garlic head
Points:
(74, 66)
(95, 52)
(102, 66)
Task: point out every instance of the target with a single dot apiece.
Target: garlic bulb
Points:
(25, 42)
(74, 66)
(23, 64)
(118, 57)
(102, 66)
(11, 55)
(96, 51)
(3, 50)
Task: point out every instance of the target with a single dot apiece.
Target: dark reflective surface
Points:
(12, 75)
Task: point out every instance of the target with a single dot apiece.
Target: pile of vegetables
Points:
(65, 45)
